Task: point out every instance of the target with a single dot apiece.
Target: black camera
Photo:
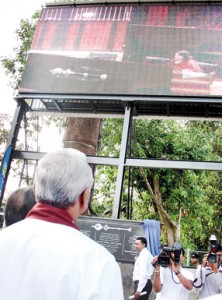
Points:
(212, 256)
(164, 256)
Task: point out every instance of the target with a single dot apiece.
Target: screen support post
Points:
(122, 160)
(11, 143)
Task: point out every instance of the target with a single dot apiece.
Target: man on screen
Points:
(188, 78)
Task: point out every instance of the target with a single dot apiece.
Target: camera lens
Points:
(212, 258)
(163, 261)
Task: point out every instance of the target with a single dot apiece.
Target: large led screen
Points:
(126, 50)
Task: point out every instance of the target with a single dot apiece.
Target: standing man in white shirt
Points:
(143, 270)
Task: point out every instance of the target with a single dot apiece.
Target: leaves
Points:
(4, 131)
(14, 66)
(195, 195)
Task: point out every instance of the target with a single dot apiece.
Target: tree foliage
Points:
(14, 66)
(4, 129)
(187, 202)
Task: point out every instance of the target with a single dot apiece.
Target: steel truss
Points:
(97, 106)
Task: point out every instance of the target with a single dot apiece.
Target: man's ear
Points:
(84, 200)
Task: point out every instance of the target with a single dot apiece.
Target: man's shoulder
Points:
(147, 253)
(92, 246)
(66, 236)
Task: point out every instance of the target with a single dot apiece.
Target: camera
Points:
(164, 256)
(212, 256)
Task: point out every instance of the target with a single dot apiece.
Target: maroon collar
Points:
(52, 214)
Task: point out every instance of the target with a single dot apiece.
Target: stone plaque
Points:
(117, 236)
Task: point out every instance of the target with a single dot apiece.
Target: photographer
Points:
(172, 282)
(209, 274)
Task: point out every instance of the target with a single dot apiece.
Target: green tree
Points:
(15, 65)
(86, 134)
(180, 199)
(4, 129)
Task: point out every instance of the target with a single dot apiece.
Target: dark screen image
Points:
(127, 50)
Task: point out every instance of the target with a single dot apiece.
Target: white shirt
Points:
(46, 261)
(143, 268)
(208, 282)
(214, 297)
(172, 288)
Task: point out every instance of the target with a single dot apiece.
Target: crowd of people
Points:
(43, 254)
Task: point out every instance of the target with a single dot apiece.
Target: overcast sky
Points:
(9, 21)
(11, 13)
